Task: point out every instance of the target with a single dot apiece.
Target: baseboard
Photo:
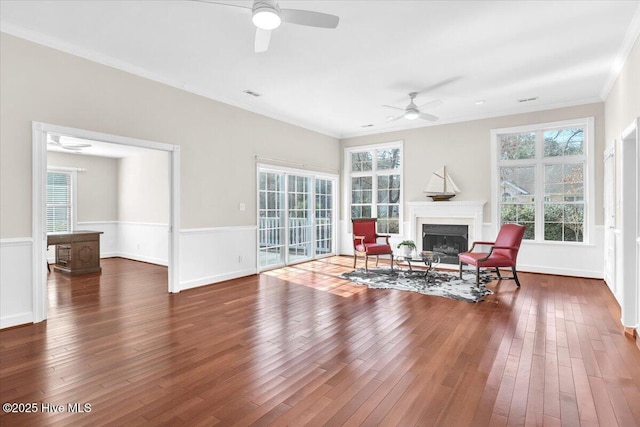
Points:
(16, 320)
(109, 255)
(134, 257)
(590, 274)
(215, 279)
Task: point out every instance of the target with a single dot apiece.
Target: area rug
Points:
(439, 283)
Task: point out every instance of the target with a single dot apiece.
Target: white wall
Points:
(143, 187)
(97, 188)
(143, 207)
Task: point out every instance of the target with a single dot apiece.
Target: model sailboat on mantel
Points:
(441, 186)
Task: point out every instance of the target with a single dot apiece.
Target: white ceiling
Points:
(335, 81)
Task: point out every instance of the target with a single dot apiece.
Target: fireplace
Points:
(452, 213)
(450, 239)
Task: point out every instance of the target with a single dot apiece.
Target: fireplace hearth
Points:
(450, 239)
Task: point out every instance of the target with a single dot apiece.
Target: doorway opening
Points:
(41, 134)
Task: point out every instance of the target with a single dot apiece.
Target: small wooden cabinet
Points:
(77, 252)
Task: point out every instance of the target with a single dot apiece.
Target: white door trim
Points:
(628, 224)
(39, 173)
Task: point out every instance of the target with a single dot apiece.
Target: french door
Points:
(296, 216)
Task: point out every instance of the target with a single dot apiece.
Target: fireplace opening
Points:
(446, 238)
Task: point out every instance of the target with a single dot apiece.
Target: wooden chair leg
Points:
(460, 262)
(478, 277)
(498, 273)
(377, 259)
(355, 257)
(515, 276)
(366, 262)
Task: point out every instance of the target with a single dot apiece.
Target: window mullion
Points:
(539, 204)
(374, 183)
(374, 195)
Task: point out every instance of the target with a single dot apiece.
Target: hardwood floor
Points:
(298, 346)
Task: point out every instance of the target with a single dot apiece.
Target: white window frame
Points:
(73, 172)
(348, 174)
(587, 123)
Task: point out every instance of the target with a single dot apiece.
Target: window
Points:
(375, 178)
(60, 209)
(543, 179)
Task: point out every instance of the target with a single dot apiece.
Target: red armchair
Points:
(365, 241)
(503, 253)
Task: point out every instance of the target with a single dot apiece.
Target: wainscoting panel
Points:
(146, 242)
(551, 258)
(210, 255)
(16, 296)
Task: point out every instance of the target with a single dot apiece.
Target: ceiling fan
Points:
(267, 16)
(412, 111)
(54, 141)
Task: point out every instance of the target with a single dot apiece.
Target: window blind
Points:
(59, 201)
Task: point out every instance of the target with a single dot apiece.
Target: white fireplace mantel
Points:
(447, 212)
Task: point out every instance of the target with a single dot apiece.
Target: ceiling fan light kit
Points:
(266, 16)
(411, 115)
(412, 111)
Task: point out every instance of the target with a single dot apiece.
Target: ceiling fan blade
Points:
(76, 146)
(440, 84)
(432, 104)
(428, 117)
(263, 37)
(395, 118)
(309, 18)
(222, 3)
(54, 140)
(395, 108)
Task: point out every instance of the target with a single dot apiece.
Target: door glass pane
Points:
(324, 217)
(299, 213)
(271, 223)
